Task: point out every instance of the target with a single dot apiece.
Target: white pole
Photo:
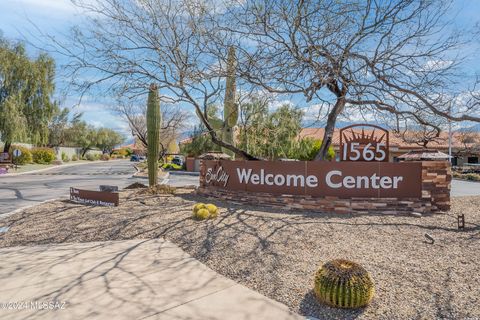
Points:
(450, 134)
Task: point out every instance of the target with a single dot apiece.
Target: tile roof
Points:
(396, 140)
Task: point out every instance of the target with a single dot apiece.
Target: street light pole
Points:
(450, 133)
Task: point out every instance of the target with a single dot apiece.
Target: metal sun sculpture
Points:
(356, 145)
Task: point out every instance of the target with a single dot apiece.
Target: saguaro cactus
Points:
(154, 119)
(230, 107)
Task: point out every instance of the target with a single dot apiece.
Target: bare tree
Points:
(126, 44)
(383, 56)
(469, 140)
(173, 121)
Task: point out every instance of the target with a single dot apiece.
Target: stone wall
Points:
(436, 179)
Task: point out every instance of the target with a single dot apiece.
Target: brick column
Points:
(436, 183)
(202, 173)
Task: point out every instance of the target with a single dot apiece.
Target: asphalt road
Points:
(180, 180)
(29, 189)
(465, 188)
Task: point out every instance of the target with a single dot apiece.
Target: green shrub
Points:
(344, 284)
(105, 157)
(65, 157)
(171, 166)
(90, 157)
(25, 157)
(74, 157)
(43, 155)
(96, 156)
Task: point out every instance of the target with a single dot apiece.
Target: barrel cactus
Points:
(201, 214)
(344, 284)
(197, 207)
(203, 211)
(212, 209)
(154, 119)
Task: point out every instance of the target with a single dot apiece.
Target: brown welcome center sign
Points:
(96, 198)
(319, 179)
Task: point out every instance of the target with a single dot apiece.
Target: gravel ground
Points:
(277, 252)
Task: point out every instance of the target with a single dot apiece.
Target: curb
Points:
(54, 167)
(184, 173)
(465, 180)
(146, 178)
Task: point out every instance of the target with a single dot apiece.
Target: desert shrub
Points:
(43, 155)
(74, 157)
(456, 174)
(65, 157)
(105, 157)
(90, 157)
(25, 157)
(124, 152)
(344, 284)
(472, 177)
(96, 156)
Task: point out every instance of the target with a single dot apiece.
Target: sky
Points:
(19, 20)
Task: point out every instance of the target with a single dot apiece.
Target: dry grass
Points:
(277, 252)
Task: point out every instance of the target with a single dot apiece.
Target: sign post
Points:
(16, 153)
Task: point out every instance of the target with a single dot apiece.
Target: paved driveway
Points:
(29, 189)
(465, 188)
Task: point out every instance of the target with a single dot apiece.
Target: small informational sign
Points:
(17, 153)
(370, 143)
(5, 157)
(95, 198)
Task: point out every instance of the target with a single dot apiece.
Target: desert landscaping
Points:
(277, 252)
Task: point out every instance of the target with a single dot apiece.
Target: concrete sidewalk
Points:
(134, 279)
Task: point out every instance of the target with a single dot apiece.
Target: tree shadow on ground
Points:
(310, 306)
(260, 247)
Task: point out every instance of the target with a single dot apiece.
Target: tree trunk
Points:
(7, 146)
(329, 129)
(84, 150)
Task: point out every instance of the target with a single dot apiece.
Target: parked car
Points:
(177, 161)
(135, 158)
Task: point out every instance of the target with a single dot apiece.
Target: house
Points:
(465, 145)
